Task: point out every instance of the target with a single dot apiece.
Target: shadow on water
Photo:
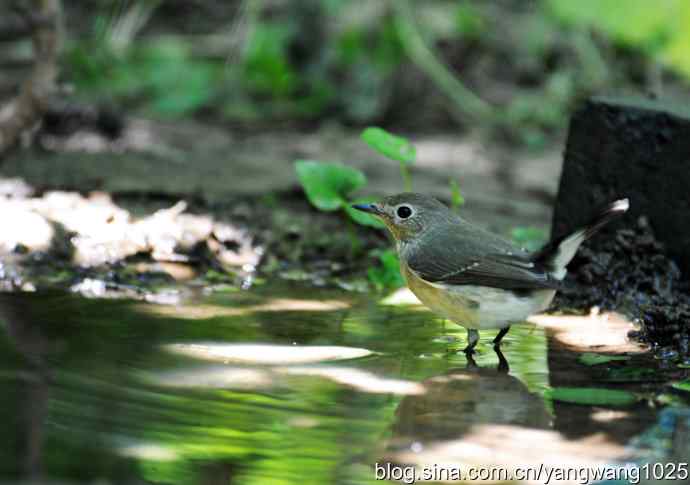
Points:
(277, 387)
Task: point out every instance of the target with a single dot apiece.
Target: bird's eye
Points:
(404, 212)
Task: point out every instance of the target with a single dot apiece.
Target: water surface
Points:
(281, 385)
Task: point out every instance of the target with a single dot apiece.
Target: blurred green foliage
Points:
(456, 198)
(516, 70)
(469, 21)
(530, 238)
(659, 28)
(162, 76)
(386, 275)
(266, 68)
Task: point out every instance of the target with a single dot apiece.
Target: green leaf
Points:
(362, 217)
(392, 146)
(456, 197)
(592, 396)
(266, 66)
(682, 385)
(469, 22)
(328, 185)
(530, 238)
(590, 358)
(387, 274)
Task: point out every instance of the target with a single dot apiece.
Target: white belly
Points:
(498, 308)
(479, 307)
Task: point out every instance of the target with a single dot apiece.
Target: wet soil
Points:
(631, 272)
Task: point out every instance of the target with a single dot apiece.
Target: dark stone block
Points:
(638, 149)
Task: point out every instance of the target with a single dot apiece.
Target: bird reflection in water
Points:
(464, 398)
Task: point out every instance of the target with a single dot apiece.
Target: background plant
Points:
(331, 186)
(510, 71)
(395, 148)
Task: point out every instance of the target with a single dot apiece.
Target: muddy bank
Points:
(630, 271)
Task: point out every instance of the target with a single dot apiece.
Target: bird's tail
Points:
(556, 254)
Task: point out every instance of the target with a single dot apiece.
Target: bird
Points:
(471, 276)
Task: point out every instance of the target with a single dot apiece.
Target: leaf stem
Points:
(468, 106)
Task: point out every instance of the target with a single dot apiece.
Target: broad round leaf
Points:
(327, 185)
(392, 146)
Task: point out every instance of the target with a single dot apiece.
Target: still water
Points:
(283, 386)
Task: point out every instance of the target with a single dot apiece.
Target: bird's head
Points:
(407, 215)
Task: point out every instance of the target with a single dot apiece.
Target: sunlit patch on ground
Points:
(605, 415)
(227, 377)
(607, 332)
(511, 447)
(358, 379)
(67, 230)
(266, 354)
(220, 377)
(148, 452)
(202, 311)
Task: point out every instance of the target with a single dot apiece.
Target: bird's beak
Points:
(370, 208)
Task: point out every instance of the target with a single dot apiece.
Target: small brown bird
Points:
(469, 275)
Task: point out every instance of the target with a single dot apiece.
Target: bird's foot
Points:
(471, 363)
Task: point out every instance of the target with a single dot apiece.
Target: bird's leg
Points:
(471, 363)
(472, 339)
(503, 366)
(499, 337)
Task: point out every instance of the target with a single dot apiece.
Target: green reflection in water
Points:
(83, 401)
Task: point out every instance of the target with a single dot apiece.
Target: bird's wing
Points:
(457, 258)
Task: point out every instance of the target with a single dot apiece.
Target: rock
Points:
(629, 148)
